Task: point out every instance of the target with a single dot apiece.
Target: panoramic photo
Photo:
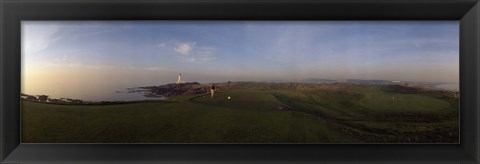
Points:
(245, 82)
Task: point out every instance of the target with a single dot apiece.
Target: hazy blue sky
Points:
(154, 52)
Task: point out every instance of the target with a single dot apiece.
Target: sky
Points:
(59, 56)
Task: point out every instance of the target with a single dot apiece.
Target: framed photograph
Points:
(279, 82)
(240, 81)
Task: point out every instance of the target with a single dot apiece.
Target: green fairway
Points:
(255, 113)
(397, 102)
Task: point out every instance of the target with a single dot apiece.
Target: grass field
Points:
(256, 113)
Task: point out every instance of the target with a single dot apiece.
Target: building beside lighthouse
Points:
(180, 81)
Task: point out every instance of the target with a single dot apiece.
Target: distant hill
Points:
(315, 80)
(358, 81)
(351, 81)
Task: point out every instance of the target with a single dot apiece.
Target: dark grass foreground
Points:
(256, 113)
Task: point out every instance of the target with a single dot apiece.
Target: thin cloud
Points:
(191, 52)
(38, 37)
(63, 65)
(155, 69)
(185, 48)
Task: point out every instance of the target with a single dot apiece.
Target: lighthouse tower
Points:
(180, 81)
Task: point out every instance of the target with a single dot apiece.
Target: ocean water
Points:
(122, 95)
(97, 95)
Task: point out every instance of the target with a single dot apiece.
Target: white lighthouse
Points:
(180, 81)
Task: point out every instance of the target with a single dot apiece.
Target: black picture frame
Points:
(14, 11)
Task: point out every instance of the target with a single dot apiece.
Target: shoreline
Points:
(162, 93)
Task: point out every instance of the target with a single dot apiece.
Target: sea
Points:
(101, 94)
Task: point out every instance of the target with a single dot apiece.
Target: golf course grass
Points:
(255, 113)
